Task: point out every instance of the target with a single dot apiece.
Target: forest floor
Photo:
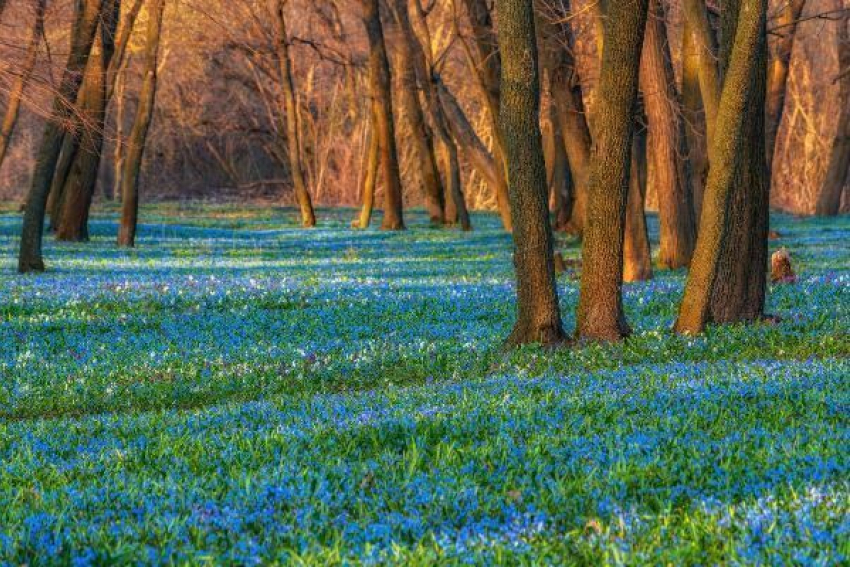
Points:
(237, 390)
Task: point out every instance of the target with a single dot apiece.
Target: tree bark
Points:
(600, 310)
(138, 135)
(538, 314)
(85, 27)
(667, 144)
(637, 254)
(837, 181)
(71, 223)
(781, 47)
(290, 108)
(704, 44)
(382, 104)
(13, 107)
(694, 118)
(370, 179)
(411, 109)
(734, 121)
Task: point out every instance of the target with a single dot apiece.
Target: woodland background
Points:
(217, 126)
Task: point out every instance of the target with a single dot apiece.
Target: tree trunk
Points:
(82, 37)
(411, 110)
(382, 104)
(454, 187)
(704, 44)
(370, 179)
(138, 135)
(567, 98)
(16, 95)
(735, 116)
(488, 68)
(293, 138)
(637, 254)
(538, 314)
(694, 118)
(600, 310)
(837, 181)
(781, 46)
(72, 221)
(557, 171)
(667, 144)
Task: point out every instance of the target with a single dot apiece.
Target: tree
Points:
(77, 188)
(667, 144)
(836, 183)
(293, 137)
(735, 118)
(86, 20)
(600, 309)
(411, 110)
(380, 90)
(16, 95)
(637, 254)
(538, 314)
(138, 135)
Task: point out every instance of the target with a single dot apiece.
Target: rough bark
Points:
(138, 135)
(637, 254)
(13, 105)
(740, 288)
(412, 112)
(71, 223)
(600, 310)
(836, 183)
(380, 90)
(704, 43)
(82, 37)
(781, 45)
(667, 142)
(739, 90)
(290, 109)
(538, 314)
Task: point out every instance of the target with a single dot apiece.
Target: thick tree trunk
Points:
(667, 144)
(538, 314)
(637, 254)
(694, 117)
(13, 105)
(600, 310)
(290, 108)
(382, 104)
(71, 223)
(411, 110)
(837, 181)
(735, 118)
(85, 27)
(138, 136)
(781, 46)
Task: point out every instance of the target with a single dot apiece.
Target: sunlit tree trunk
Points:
(72, 221)
(290, 106)
(836, 183)
(781, 46)
(667, 144)
(538, 314)
(13, 105)
(694, 118)
(370, 177)
(382, 104)
(411, 110)
(84, 29)
(704, 45)
(739, 115)
(138, 135)
(637, 254)
(600, 310)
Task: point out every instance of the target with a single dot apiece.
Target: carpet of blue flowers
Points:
(240, 391)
